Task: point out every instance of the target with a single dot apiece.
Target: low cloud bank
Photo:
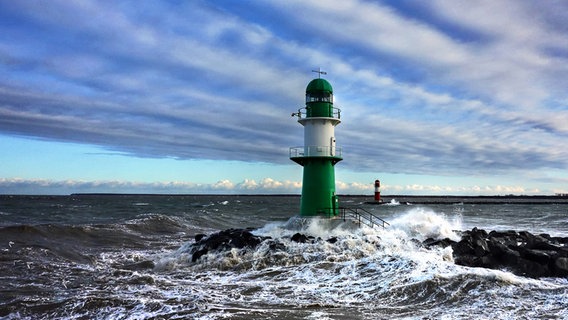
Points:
(247, 186)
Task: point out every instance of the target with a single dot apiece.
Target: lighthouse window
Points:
(319, 97)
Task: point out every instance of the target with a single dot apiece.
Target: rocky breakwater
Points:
(522, 253)
(242, 239)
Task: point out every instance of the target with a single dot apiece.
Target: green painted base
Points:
(318, 188)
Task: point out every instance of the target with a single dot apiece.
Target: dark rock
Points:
(488, 262)
(276, 246)
(480, 247)
(502, 252)
(332, 240)
(224, 240)
(522, 253)
(534, 241)
(546, 236)
(466, 260)
(561, 240)
(478, 233)
(298, 237)
(531, 269)
(197, 254)
(561, 267)
(526, 236)
(503, 234)
(430, 242)
(463, 247)
(545, 245)
(540, 256)
(199, 236)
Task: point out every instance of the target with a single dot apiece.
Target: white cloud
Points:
(247, 186)
(223, 185)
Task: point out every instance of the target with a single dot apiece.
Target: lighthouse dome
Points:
(319, 85)
(319, 90)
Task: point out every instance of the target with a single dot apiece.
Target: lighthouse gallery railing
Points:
(303, 113)
(315, 151)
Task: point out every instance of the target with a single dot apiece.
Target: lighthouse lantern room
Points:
(319, 154)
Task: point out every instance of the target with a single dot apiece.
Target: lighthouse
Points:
(319, 153)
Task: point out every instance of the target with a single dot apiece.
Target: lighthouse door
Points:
(332, 146)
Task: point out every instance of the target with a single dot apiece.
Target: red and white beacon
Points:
(377, 190)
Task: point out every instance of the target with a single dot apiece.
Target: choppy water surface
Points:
(127, 257)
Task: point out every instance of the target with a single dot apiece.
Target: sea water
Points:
(128, 257)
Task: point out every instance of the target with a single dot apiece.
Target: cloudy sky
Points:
(437, 97)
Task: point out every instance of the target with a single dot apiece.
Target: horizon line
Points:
(290, 195)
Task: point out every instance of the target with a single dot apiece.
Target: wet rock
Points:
(503, 234)
(540, 256)
(332, 240)
(478, 233)
(430, 242)
(531, 268)
(276, 246)
(501, 251)
(561, 266)
(224, 240)
(301, 238)
(197, 254)
(463, 247)
(546, 236)
(522, 253)
(466, 260)
(480, 247)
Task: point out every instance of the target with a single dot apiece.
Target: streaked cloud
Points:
(439, 88)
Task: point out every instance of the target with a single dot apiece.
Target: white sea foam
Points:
(393, 202)
(351, 243)
(423, 223)
(319, 279)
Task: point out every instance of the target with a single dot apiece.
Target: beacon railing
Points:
(362, 216)
(303, 113)
(315, 151)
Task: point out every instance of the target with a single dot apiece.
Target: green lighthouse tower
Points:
(319, 154)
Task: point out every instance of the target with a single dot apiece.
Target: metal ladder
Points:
(362, 216)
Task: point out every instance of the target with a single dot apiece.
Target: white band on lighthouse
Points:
(319, 136)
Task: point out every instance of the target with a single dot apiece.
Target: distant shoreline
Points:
(507, 199)
(390, 196)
